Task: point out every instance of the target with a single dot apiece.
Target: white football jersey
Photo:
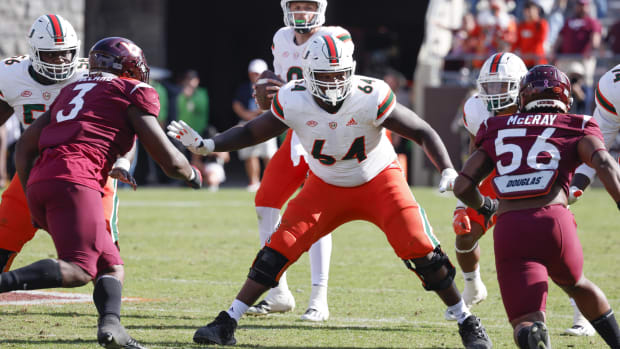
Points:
(607, 97)
(475, 112)
(348, 148)
(287, 54)
(24, 94)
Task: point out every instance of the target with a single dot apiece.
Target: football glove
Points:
(448, 176)
(461, 222)
(190, 138)
(488, 209)
(120, 171)
(195, 180)
(574, 193)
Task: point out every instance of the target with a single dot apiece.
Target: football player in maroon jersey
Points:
(92, 121)
(535, 237)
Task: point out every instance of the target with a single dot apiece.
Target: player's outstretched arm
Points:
(592, 151)
(260, 129)
(408, 124)
(167, 156)
(27, 148)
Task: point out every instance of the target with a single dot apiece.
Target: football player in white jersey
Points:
(287, 170)
(340, 119)
(607, 98)
(28, 86)
(498, 87)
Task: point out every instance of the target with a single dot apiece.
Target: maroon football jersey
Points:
(89, 128)
(533, 151)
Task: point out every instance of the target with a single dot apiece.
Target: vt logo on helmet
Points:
(120, 57)
(498, 82)
(303, 15)
(53, 47)
(328, 67)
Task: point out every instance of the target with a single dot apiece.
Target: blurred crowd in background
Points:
(581, 37)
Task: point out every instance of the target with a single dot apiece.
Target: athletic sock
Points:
(522, 337)
(472, 275)
(42, 274)
(237, 309)
(107, 297)
(460, 311)
(607, 327)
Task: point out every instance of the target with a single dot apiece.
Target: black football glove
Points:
(196, 181)
(488, 209)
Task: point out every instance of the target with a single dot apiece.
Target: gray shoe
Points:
(220, 331)
(538, 337)
(114, 336)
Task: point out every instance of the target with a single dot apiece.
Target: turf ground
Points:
(188, 252)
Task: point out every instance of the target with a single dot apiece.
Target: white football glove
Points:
(190, 138)
(574, 193)
(448, 176)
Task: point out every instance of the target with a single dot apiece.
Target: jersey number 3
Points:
(77, 101)
(357, 150)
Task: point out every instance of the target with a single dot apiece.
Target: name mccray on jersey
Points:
(287, 54)
(24, 94)
(533, 151)
(89, 128)
(347, 148)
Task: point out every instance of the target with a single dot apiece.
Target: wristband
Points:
(460, 204)
(209, 144)
(122, 163)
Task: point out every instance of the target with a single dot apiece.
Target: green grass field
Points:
(188, 252)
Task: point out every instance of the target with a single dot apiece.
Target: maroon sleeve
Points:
(596, 25)
(480, 136)
(143, 96)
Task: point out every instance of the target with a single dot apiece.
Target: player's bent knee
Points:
(267, 266)
(437, 272)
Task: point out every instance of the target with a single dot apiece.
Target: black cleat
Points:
(538, 337)
(220, 331)
(114, 336)
(473, 334)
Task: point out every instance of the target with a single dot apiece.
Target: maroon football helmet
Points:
(120, 57)
(545, 88)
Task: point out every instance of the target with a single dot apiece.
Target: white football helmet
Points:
(327, 54)
(303, 26)
(499, 78)
(53, 33)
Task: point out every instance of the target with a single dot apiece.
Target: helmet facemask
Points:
(317, 18)
(54, 71)
(498, 93)
(331, 86)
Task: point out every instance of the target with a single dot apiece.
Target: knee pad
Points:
(267, 266)
(427, 271)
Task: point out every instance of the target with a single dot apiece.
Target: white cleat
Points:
(280, 302)
(581, 330)
(581, 325)
(474, 292)
(315, 315)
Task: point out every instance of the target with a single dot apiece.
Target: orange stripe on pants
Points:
(386, 201)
